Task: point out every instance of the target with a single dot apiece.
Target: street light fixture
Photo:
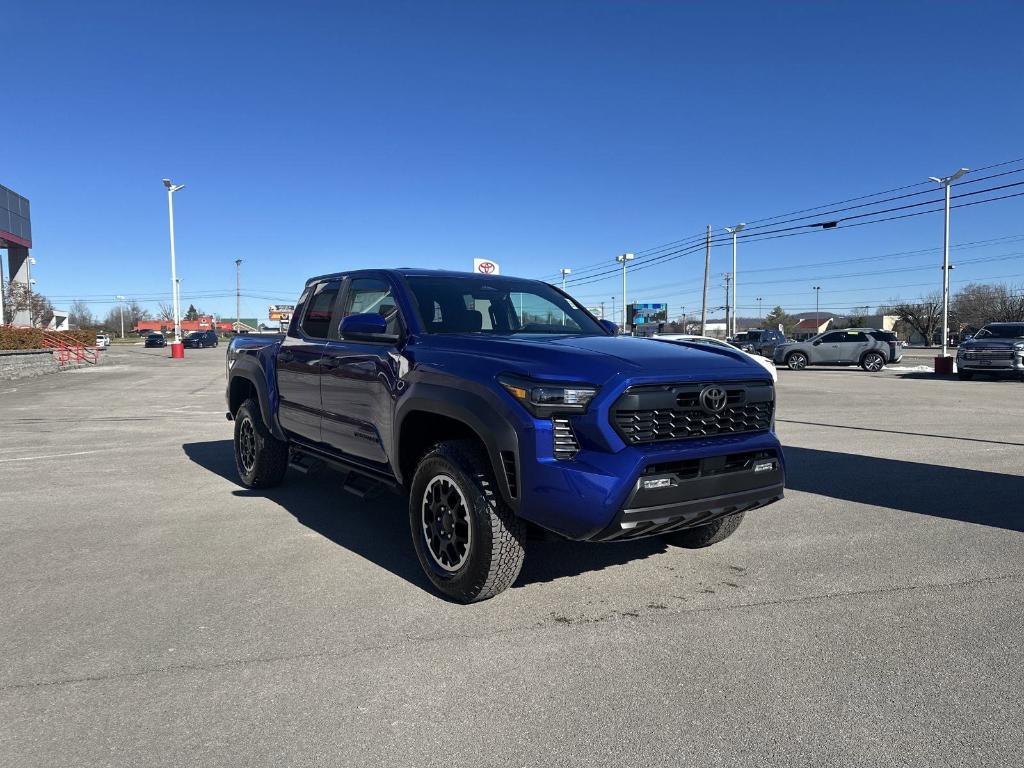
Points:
(734, 231)
(623, 259)
(946, 182)
(817, 311)
(171, 189)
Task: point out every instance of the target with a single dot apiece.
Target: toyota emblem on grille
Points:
(713, 399)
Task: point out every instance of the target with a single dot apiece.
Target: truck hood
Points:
(991, 343)
(594, 359)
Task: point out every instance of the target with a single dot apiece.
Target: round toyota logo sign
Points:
(485, 267)
(713, 399)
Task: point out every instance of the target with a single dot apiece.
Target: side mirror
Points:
(368, 325)
(609, 326)
(817, 343)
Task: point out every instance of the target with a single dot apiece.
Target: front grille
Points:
(566, 445)
(989, 354)
(673, 411)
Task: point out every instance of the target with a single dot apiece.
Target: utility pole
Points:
(817, 313)
(707, 267)
(759, 314)
(728, 309)
(238, 294)
(602, 310)
(121, 299)
(734, 231)
(613, 306)
(946, 182)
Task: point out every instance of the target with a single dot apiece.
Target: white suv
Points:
(102, 340)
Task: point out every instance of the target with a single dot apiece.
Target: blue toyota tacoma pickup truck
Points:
(501, 408)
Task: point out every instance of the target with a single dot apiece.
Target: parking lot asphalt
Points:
(156, 613)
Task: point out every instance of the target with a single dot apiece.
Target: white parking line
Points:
(55, 455)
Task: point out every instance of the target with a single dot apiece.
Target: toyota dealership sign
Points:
(486, 267)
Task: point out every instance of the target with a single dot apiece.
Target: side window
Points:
(316, 320)
(368, 294)
(833, 338)
(856, 337)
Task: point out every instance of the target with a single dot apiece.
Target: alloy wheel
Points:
(247, 444)
(446, 525)
(873, 363)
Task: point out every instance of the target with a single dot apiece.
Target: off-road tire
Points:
(866, 365)
(793, 357)
(495, 552)
(965, 375)
(267, 463)
(706, 535)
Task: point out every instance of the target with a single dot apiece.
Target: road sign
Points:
(280, 311)
(486, 267)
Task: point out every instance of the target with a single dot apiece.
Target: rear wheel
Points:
(260, 458)
(468, 541)
(706, 535)
(872, 362)
(796, 361)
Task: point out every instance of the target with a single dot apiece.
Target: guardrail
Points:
(67, 351)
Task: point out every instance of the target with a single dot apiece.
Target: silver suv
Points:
(996, 348)
(870, 349)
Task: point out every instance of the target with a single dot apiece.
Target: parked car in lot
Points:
(201, 339)
(763, 341)
(156, 340)
(501, 406)
(996, 349)
(871, 349)
(764, 362)
(102, 340)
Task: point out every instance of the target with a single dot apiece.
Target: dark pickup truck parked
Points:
(501, 407)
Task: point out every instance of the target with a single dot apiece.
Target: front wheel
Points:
(872, 362)
(706, 535)
(468, 541)
(260, 458)
(796, 361)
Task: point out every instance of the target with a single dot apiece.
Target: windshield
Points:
(1001, 332)
(499, 306)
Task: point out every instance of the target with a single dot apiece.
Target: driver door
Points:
(826, 350)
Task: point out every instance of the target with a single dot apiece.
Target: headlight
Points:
(1019, 346)
(545, 399)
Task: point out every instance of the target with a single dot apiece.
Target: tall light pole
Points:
(946, 182)
(728, 310)
(238, 294)
(171, 189)
(817, 313)
(565, 271)
(623, 259)
(613, 306)
(120, 298)
(734, 231)
(760, 315)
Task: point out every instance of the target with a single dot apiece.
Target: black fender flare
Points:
(480, 411)
(247, 368)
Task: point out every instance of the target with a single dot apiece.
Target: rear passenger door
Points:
(298, 362)
(854, 344)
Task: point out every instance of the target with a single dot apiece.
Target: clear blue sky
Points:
(316, 137)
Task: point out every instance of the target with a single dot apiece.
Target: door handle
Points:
(284, 356)
(330, 363)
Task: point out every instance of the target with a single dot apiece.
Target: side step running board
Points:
(359, 482)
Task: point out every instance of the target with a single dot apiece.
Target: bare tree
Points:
(19, 297)
(924, 316)
(165, 311)
(80, 316)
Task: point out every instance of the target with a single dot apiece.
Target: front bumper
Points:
(602, 496)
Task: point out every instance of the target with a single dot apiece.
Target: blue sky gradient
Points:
(316, 137)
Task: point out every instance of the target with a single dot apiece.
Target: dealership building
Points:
(16, 239)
